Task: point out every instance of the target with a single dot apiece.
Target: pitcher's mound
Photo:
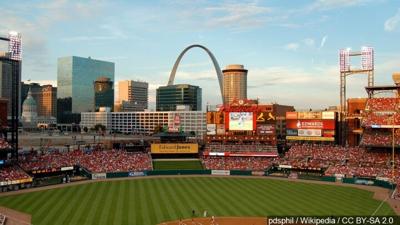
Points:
(220, 221)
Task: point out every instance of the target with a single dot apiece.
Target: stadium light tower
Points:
(367, 67)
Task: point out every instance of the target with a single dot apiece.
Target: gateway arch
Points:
(216, 66)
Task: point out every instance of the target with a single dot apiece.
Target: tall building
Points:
(48, 104)
(168, 97)
(103, 93)
(132, 95)
(10, 73)
(235, 83)
(75, 77)
(45, 97)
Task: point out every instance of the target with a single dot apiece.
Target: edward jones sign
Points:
(311, 124)
(175, 148)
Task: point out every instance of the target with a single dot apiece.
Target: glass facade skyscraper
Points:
(103, 93)
(168, 97)
(75, 77)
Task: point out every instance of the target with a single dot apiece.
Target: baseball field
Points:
(152, 201)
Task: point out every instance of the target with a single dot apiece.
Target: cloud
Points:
(323, 41)
(291, 46)
(309, 42)
(236, 15)
(334, 4)
(34, 29)
(392, 23)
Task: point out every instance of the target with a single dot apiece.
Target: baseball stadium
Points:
(254, 162)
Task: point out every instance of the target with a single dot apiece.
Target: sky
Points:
(290, 48)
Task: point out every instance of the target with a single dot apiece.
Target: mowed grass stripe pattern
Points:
(178, 165)
(152, 201)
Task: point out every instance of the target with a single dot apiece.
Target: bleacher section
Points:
(379, 138)
(257, 147)
(237, 163)
(94, 161)
(4, 144)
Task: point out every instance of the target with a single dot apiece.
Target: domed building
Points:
(29, 111)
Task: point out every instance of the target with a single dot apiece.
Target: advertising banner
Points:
(311, 124)
(328, 115)
(97, 176)
(309, 115)
(67, 168)
(265, 129)
(219, 118)
(309, 132)
(210, 117)
(304, 138)
(291, 115)
(175, 148)
(257, 173)
(290, 132)
(221, 172)
(328, 133)
(220, 129)
(211, 129)
(136, 174)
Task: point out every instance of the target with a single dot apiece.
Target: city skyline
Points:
(290, 48)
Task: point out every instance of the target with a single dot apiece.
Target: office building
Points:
(168, 97)
(146, 122)
(10, 73)
(103, 93)
(132, 95)
(75, 77)
(235, 83)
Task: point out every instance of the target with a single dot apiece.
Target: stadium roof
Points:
(371, 89)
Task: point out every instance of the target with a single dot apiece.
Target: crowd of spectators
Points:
(379, 137)
(382, 104)
(237, 163)
(380, 118)
(12, 173)
(314, 156)
(95, 161)
(347, 161)
(4, 144)
(252, 147)
(114, 161)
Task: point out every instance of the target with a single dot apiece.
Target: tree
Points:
(85, 129)
(99, 127)
(158, 129)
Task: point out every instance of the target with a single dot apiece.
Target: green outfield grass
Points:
(151, 201)
(178, 165)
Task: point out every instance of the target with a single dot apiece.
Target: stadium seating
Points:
(253, 147)
(349, 161)
(115, 161)
(237, 163)
(94, 161)
(382, 104)
(4, 144)
(12, 173)
(379, 137)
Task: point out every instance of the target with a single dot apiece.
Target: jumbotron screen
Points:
(240, 121)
